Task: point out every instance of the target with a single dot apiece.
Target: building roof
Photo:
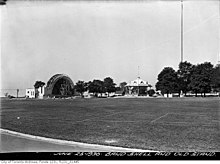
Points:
(138, 82)
(30, 89)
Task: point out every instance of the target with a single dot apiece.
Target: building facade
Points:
(35, 93)
(30, 93)
(137, 87)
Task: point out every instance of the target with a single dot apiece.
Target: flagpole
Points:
(181, 30)
(219, 38)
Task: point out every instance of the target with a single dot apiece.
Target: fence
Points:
(12, 92)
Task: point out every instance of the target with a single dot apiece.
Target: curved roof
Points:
(52, 81)
(138, 82)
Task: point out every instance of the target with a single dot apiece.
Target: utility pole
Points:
(219, 38)
(138, 81)
(181, 30)
(17, 92)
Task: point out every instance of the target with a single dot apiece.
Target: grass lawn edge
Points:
(69, 143)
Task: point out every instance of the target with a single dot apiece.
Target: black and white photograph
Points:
(110, 79)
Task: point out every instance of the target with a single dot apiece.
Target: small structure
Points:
(30, 93)
(86, 94)
(137, 87)
(39, 92)
(170, 95)
(35, 93)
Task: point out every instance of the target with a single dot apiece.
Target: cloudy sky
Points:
(94, 40)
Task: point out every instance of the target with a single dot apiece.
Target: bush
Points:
(151, 92)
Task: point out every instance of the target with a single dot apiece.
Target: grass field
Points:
(177, 124)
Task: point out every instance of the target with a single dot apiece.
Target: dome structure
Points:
(59, 85)
(137, 87)
(138, 82)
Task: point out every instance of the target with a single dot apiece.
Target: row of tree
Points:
(96, 86)
(201, 78)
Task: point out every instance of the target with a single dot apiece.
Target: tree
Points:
(37, 85)
(167, 81)
(215, 79)
(122, 85)
(97, 86)
(81, 87)
(109, 85)
(184, 74)
(87, 85)
(151, 92)
(200, 81)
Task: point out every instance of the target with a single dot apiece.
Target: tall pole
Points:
(138, 81)
(17, 92)
(181, 30)
(219, 37)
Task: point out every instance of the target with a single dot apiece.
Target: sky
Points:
(94, 40)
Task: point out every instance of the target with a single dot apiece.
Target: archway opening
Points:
(59, 85)
(62, 87)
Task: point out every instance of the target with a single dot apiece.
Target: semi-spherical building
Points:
(59, 85)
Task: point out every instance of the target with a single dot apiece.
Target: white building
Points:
(30, 93)
(40, 91)
(169, 95)
(137, 87)
(35, 93)
(138, 82)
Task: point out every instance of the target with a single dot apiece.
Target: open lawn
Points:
(177, 124)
